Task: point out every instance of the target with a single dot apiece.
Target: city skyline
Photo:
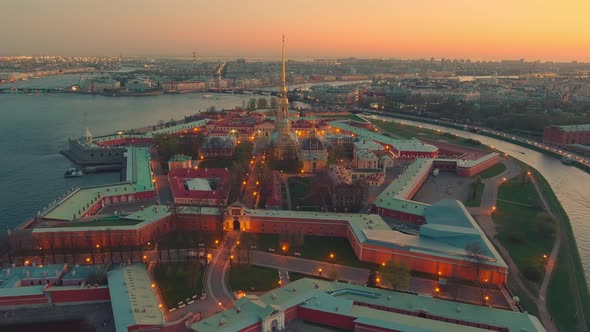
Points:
(531, 30)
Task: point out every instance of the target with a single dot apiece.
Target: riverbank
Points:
(567, 282)
(575, 163)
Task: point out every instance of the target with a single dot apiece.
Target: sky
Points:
(546, 30)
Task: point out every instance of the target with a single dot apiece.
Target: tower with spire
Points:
(282, 139)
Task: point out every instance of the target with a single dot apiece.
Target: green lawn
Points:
(475, 192)
(520, 227)
(567, 280)
(352, 117)
(560, 295)
(262, 241)
(178, 281)
(492, 171)
(299, 188)
(319, 248)
(252, 278)
(398, 130)
(242, 154)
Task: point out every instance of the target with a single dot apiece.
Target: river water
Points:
(570, 184)
(33, 128)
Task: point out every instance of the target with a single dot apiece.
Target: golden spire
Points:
(284, 78)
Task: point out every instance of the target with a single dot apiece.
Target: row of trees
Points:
(260, 103)
(518, 116)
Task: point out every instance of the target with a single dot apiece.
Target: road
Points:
(164, 195)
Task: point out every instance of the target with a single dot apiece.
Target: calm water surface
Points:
(33, 128)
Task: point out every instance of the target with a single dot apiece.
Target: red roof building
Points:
(204, 187)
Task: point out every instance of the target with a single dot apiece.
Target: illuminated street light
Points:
(97, 246)
(437, 290)
(545, 256)
(87, 259)
(487, 298)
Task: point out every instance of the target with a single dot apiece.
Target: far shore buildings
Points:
(563, 135)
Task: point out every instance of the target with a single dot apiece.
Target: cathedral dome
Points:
(312, 144)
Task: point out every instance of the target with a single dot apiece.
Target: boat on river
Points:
(567, 161)
(73, 173)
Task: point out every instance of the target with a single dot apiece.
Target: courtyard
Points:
(444, 185)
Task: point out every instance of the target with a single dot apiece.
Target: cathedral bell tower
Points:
(283, 140)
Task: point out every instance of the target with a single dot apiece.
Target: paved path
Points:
(485, 221)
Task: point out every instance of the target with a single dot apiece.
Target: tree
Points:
(252, 104)
(321, 189)
(395, 275)
(333, 273)
(273, 103)
(262, 103)
(372, 280)
(475, 253)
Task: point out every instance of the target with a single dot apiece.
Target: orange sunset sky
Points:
(476, 29)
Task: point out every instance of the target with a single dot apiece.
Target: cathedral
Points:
(313, 153)
(283, 140)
